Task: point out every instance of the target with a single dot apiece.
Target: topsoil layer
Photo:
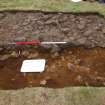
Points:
(78, 29)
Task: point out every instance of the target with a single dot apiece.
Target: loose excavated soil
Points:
(69, 67)
(78, 29)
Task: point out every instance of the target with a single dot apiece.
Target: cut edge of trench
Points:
(53, 12)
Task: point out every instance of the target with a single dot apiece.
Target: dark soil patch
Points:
(78, 29)
(69, 67)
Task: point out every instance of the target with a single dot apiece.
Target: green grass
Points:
(48, 96)
(52, 5)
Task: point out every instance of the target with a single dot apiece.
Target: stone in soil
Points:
(33, 55)
(43, 82)
(1, 49)
(25, 53)
(79, 78)
(4, 57)
(14, 54)
(71, 67)
(54, 55)
(82, 41)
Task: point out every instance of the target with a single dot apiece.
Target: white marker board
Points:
(76, 1)
(37, 65)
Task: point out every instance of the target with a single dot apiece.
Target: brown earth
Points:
(69, 67)
(78, 29)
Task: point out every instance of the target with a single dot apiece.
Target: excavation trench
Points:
(76, 28)
(69, 65)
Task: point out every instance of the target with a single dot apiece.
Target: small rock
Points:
(53, 22)
(30, 82)
(46, 67)
(56, 54)
(14, 54)
(47, 77)
(86, 83)
(13, 79)
(65, 30)
(79, 78)
(25, 53)
(84, 68)
(78, 61)
(66, 39)
(70, 52)
(1, 49)
(55, 48)
(53, 66)
(88, 33)
(4, 57)
(40, 23)
(104, 83)
(71, 38)
(103, 31)
(43, 82)
(95, 72)
(33, 55)
(100, 78)
(81, 26)
(2, 15)
(15, 27)
(63, 58)
(45, 46)
(82, 40)
(71, 66)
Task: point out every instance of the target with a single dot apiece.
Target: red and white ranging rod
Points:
(36, 42)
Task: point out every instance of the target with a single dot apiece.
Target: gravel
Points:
(77, 29)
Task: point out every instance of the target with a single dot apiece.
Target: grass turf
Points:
(52, 6)
(46, 96)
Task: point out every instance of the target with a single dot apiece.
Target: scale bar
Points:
(53, 42)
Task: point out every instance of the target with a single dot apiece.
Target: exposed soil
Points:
(78, 29)
(69, 67)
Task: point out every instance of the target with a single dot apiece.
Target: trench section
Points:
(69, 67)
(66, 66)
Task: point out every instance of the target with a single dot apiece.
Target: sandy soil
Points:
(67, 67)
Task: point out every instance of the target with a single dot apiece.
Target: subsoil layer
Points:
(79, 29)
(69, 67)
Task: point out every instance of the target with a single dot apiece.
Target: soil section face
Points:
(69, 67)
(78, 29)
(66, 66)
